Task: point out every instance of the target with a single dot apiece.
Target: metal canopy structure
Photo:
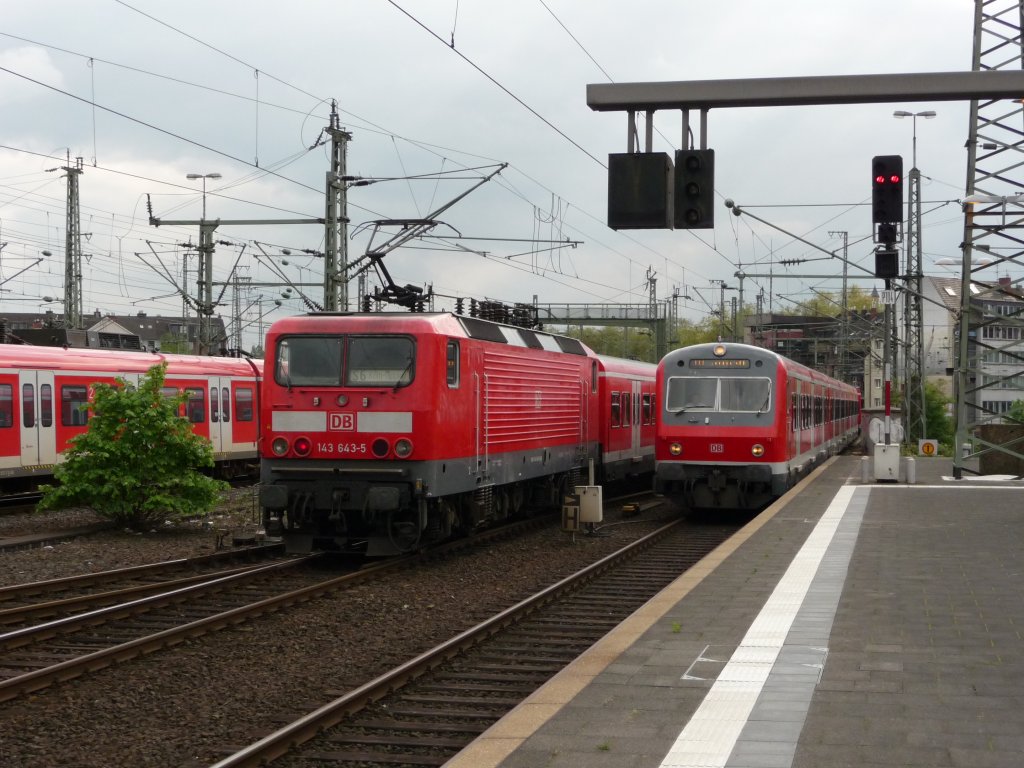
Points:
(803, 91)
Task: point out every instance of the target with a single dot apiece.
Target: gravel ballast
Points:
(186, 705)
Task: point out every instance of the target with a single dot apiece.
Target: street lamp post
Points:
(204, 177)
(927, 115)
(913, 311)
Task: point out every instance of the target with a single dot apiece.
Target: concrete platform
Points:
(851, 624)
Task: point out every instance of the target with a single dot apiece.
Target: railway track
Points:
(63, 596)
(427, 709)
(96, 629)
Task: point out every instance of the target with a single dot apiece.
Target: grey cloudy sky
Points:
(146, 92)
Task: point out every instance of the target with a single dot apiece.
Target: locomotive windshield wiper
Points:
(398, 381)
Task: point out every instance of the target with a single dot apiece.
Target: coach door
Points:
(38, 432)
(220, 414)
(637, 419)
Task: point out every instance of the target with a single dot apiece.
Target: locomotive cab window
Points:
(308, 361)
(451, 363)
(379, 361)
(352, 361)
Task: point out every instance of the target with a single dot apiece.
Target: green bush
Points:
(139, 462)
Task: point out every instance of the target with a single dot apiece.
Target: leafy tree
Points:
(174, 343)
(827, 304)
(1016, 412)
(138, 463)
(937, 421)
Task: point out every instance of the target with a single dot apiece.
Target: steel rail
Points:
(303, 729)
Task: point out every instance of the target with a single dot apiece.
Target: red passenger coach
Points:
(739, 425)
(385, 431)
(44, 391)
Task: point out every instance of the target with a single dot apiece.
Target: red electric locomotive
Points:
(738, 425)
(382, 432)
(43, 391)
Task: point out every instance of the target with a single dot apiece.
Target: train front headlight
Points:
(302, 446)
(403, 448)
(279, 446)
(675, 449)
(758, 450)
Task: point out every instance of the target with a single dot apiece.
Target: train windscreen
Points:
(354, 361)
(713, 393)
(379, 361)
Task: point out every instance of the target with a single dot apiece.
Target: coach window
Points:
(28, 405)
(616, 419)
(214, 405)
(194, 410)
(593, 376)
(243, 404)
(451, 363)
(380, 361)
(648, 410)
(627, 407)
(225, 400)
(73, 400)
(46, 405)
(168, 394)
(6, 406)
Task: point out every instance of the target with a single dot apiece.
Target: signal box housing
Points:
(640, 188)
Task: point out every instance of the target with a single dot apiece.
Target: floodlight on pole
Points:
(204, 177)
(928, 114)
(1004, 199)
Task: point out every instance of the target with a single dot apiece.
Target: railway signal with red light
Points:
(886, 189)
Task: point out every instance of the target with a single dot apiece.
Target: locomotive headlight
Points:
(403, 448)
(279, 446)
(342, 400)
(719, 350)
(676, 449)
(302, 446)
(758, 450)
(379, 447)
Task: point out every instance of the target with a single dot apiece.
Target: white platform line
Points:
(711, 734)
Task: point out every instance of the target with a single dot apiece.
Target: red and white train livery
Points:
(385, 431)
(738, 425)
(44, 390)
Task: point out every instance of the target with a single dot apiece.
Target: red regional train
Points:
(383, 432)
(738, 425)
(44, 390)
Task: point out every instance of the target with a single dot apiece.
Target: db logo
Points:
(717, 447)
(341, 422)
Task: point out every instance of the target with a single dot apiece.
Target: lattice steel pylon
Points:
(73, 250)
(913, 336)
(990, 324)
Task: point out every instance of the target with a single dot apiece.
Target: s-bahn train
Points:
(44, 390)
(382, 432)
(738, 425)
